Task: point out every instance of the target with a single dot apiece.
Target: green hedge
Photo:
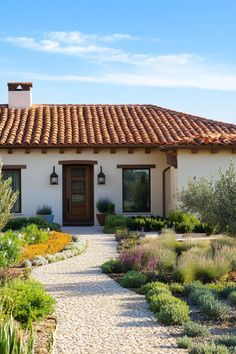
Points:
(18, 223)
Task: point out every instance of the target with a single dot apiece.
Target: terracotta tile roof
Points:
(107, 125)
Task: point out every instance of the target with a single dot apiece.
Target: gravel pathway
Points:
(96, 315)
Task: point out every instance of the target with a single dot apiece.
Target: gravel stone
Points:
(95, 314)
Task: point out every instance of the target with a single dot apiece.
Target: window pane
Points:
(136, 190)
(77, 185)
(15, 176)
(78, 172)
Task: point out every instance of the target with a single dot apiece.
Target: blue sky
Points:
(177, 54)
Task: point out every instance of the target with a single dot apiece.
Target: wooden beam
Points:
(10, 151)
(44, 151)
(77, 162)
(130, 151)
(113, 151)
(136, 166)
(14, 167)
(61, 151)
(78, 151)
(95, 151)
(147, 151)
(214, 151)
(27, 151)
(194, 151)
(234, 151)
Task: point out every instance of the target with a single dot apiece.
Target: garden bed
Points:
(189, 284)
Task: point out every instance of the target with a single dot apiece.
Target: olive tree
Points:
(213, 199)
(8, 198)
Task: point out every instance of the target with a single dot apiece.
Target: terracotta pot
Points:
(101, 219)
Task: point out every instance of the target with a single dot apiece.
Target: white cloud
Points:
(140, 69)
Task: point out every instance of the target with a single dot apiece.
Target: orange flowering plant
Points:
(56, 242)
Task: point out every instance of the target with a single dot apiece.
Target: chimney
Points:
(19, 94)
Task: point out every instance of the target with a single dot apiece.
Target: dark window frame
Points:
(123, 189)
(18, 169)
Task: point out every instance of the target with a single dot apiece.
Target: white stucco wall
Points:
(19, 99)
(36, 189)
(202, 164)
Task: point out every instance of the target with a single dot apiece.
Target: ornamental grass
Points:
(56, 242)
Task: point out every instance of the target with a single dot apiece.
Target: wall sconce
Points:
(53, 177)
(101, 177)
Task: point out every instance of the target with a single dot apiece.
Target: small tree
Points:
(7, 199)
(213, 200)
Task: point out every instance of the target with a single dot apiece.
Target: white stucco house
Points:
(145, 152)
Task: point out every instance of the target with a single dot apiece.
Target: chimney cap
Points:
(19, 86)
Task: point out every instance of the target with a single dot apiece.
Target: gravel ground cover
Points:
(97, 316)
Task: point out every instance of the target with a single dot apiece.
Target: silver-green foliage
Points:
(7, 199)
(214, 200)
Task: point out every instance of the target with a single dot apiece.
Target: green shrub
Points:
(185, 343)
(183, 222)
(229, 341)
(200, 296)
(133, 279)
(213, 199)
(232, 298)
(112, 266)
(26, 300)
(44, 224)
(11, 340)
(16, 224)
(215, 310)
(44, 210)
(176, 313)
(32, 234)
(194, 329)
(105, 206)
(9, 249)
(157, 291)
(177, 288)
(156, 301)
(113, 223)
(208, 348)
(152, 286)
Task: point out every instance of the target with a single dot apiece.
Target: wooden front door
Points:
(78, 195)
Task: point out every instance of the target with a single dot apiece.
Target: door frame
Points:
(71, 164)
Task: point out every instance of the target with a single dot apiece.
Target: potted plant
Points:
(104, 206)
(45, 212)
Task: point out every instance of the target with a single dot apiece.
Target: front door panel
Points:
(78, 203)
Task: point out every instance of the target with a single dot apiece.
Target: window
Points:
(15, 175)
(136, 190)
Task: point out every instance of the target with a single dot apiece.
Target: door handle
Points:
(68, 205)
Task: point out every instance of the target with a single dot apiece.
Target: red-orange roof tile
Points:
(108, 125)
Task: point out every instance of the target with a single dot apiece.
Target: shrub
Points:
(127, 239)
(32, 234)
(208, 348)
(229, 341)
(177, 288)
(44, 210)
(213, 200)
(112, 266)
(216, 310)
(163, 298)
(16, 224)
(114, 222)
(194, 329)
(11, 340)
(183, 222)
(26, 300)
(185, 343)
(56, 242)
(157, 291)
(133, 279)
(44, 224)
(232, 298)
(221, 289)
(176, 313)
(9, 249)
(153, 286)
(105, 206)
(200, 296)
